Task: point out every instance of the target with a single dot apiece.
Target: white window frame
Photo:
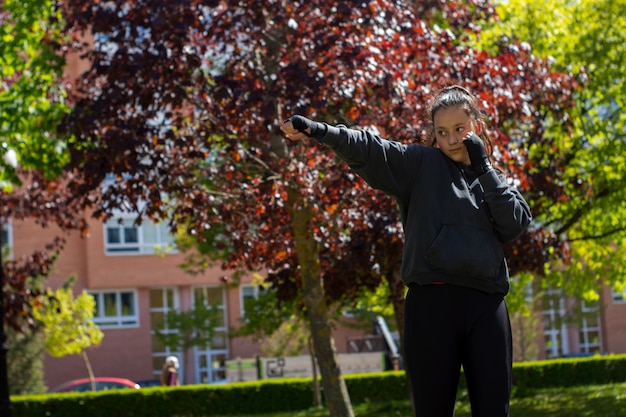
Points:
(212, 361)
(558, 337)
(256, 291)
(590, 323)
(618, 298)
(164, 240)
(119, 320)
(7, 228)
(165, 309)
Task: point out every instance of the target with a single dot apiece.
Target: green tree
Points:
(522, 303)
(585, 37)
(32, 102)
(67, 324)
(32, 99)
(264, 315)
(25, 361)
(190, 328)
(290, 339)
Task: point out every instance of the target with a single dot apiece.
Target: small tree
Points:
(525, 328)
(290, 339)
(522, 303)
(187, 329)
(25, 361)
(68, 328)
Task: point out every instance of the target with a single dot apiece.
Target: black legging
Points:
(449, 326)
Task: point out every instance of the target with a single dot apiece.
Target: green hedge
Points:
(594, 370)
(294, 394)
(188, 400)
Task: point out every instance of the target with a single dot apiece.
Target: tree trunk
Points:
(334, 387)
(396, 293)
(335, 391)
(317, 395)
(92, 378)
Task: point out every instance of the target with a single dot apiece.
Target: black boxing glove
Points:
(477, 154)
(316, 131)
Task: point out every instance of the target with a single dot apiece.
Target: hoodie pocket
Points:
(466, 250)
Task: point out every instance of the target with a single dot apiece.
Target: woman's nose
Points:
(455, 138)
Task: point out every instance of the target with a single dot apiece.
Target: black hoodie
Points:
(454, 223)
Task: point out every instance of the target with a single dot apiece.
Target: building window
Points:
(122, 236)
(619, 297)
(7, 236)
(249, 294)
(211, 359)
(554, 324)
(163, 301)
(590, 336)
(558, 322)
(115, 309)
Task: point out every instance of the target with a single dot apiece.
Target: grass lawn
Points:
(586, 401)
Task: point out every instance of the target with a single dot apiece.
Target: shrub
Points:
(295, 394)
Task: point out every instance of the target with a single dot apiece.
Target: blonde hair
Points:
(167, 374)
(171, 361)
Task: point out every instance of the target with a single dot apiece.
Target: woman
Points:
(456, 211)
(169, 374)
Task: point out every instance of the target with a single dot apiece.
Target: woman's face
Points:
(451, 125)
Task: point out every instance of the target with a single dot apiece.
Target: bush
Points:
(295, 394)
(188, 400)
(570, 372)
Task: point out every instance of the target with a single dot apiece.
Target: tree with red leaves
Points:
(185, 100)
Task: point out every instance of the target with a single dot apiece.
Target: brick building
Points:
(134, 288)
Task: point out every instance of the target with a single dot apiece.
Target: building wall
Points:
(614, 323)
(127, 352)
(608, 321)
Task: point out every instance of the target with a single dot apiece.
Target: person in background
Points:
(169, 374)
(456, 209)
